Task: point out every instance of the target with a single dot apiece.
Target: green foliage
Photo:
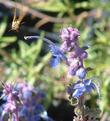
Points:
(3, 26)
(51, 5)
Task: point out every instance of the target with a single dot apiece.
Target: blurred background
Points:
(28, 60)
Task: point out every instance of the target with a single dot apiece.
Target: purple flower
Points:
(67, 46)
(74, 63)
(78, 89)
(69, 34)
(69, 37)
(7, 89)
(10, 107)
(80, 52)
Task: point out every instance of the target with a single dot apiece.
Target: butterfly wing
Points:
(57, 54)
(55, 60)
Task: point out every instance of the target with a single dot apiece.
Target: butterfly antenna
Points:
(38, 37)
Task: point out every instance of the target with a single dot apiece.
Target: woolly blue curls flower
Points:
(76, 67)
(79, 88)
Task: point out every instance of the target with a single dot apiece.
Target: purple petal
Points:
(87, 82)
(77, 93)
(78, 86)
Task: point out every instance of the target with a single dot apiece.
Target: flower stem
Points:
(16, 114)
(81, 107)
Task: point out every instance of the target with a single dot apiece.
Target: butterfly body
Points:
(17, 20)
(15, 25)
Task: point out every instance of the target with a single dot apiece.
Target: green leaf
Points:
(52, 6)
(3, 26)
(5, 41)
(44, 61)
(29, 53)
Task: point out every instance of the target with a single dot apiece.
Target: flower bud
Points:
(81, 73)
